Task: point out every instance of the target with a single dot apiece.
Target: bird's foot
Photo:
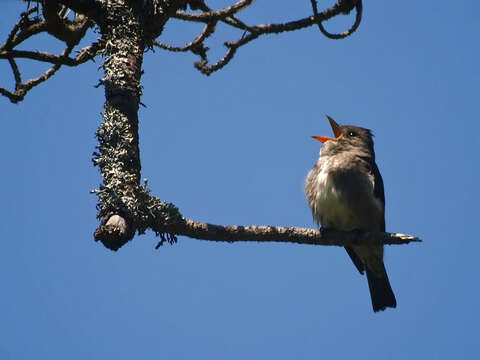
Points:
(323, 230)
(358, 235)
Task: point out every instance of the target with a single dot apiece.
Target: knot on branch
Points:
(125, 211)
(114, 232)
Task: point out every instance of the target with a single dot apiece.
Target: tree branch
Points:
(27, 28)
(39, 56)
(347, 6)
(56, 23)
(195, 44)
(156, 13)
(210, 15)
(116, 226)
(21, 89)
(16, 73)
(203, 231)
(227, 16)
(167, 222)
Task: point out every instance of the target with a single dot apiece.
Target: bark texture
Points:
(124, 206)
(263, 233)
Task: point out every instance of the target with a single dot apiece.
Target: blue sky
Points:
(234, 148)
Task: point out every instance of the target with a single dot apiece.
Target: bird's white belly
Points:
(348, 208)
(331, 205)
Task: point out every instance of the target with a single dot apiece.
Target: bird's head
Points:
(347, 138)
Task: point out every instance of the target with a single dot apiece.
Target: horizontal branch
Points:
(39, 56)
(167, 222)
(211, 15)
(204, 231)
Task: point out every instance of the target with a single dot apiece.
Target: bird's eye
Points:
(352, 134)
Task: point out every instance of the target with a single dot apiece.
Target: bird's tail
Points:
(380, 290)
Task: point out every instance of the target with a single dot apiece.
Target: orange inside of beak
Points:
(323, 139)
(337, 130)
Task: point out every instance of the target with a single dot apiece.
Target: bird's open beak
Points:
(336, 130)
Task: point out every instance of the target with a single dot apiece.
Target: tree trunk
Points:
(124, 206)
(118, 153)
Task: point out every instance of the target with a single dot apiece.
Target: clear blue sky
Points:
(234, 148)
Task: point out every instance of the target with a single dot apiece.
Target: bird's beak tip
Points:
(337, 130)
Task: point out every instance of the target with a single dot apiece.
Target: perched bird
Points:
(345, 192)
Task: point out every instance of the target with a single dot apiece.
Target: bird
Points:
(345, 192)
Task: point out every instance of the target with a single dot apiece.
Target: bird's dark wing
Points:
(378, 190)
(379, 193)
(355, 259)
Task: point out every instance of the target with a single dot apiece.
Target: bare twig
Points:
(206, 32)
(55, 21)
(227, 16)
(89, 52)
(16, 73)
(57, 24)
(18, 25)
(346, 9)
(208, 16)
(27, 27)
(39, 56)
(21, 89)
